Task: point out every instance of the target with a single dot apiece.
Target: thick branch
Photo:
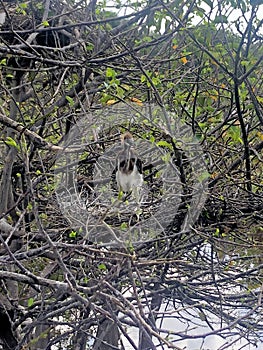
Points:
(34, 137)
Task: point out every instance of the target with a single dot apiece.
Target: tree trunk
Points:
(108, 335)
(7, 338)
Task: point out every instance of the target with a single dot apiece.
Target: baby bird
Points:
(129, 167)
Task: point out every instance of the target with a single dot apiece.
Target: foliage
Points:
(61, 62)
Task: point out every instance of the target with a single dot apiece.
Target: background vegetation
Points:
(62, 61)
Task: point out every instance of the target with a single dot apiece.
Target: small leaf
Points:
(143, 78)
(70, 101)
(45, 23)
(204, 176)
(11, 142)
(73, 234)
(30, 302)
(110, 73)
(23, 5)
(164, 144)
(151, 139)
(124, 226)
(43, 216)
(234, 134)
(120, 195)
(260, 135)
(217, 231)
(221, 19)
(89, 46)
(85, 279)
(102, 267)
(111, 102)
(136, 100)
(29, 206)
(209, 3)
(184, 60)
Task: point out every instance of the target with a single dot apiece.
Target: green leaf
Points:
(29, 206)
(124, 226)
(209, 3)
(30, 302)
(164, 144)
(110, 73)
(43, 216)
(152, 139)
(234, 134)
(89, 46)
(11, 142)
(205, 175)
(3, 62)
(143, 78)
(221, 19)
(70, 101)
(45, 23)
(23, 5)
(102, 267)
(217, 232)
(120, 195)
(73, 234)
(85, 279)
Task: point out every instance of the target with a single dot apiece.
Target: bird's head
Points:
(127, 140)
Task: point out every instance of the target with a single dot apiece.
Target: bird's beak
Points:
(129, 143)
